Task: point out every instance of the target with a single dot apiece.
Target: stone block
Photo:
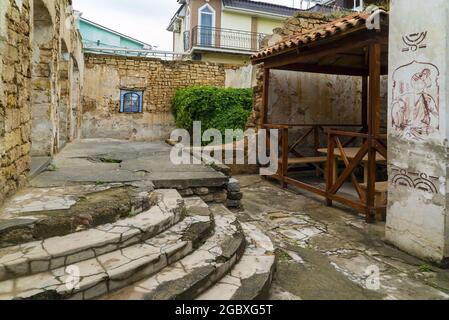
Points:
(201, 191)
(235, 196)
(233, 203)
(233, 185)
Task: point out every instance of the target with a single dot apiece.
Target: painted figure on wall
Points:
(415, 105)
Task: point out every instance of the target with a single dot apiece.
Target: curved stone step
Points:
(111, 271)
(197, 272)
(53, 253)
(251, 277)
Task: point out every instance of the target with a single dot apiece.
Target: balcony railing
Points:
(218, 38)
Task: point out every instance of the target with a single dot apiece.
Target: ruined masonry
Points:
(40, 89)
(177, 249)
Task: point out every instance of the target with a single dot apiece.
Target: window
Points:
(207, 22)
(358, 5)
(131, 101)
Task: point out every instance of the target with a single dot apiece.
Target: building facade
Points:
(355, 5)
(226, 31)
(97, 36)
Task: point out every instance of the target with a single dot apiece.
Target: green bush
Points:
(217, 108)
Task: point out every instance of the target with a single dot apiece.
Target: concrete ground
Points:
(331, 253)
(102, 174)
(100, 161)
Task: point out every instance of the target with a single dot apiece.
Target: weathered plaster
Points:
(418, 163)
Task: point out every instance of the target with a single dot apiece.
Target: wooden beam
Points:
(265, 97)
(349, 169)
(365, 104)
(325, 69)
(373, 126)
(285, 154)
(305, 54)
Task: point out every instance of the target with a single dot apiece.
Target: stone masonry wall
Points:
(105, 76)
(15, 75)
(32, 33)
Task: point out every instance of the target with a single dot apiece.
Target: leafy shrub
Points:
(217, 108)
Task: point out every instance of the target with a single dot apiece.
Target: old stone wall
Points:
(15, 71)
(57, 77)
(105, 76)
(32, 34)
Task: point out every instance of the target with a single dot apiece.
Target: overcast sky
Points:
(145, 20)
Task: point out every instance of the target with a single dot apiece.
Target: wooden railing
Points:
(369, 154)
(372, 152)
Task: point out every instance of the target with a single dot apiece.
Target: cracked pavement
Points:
(331, 253)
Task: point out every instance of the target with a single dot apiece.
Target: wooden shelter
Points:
(343, 47)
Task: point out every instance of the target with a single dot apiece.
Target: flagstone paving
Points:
(331, 253)
(111, 271)
(251, 277)
(198, 271)
(98, 181)
(45, 255)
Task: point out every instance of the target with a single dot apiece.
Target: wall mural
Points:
(416, 100)
(414, 41)
(418, 181)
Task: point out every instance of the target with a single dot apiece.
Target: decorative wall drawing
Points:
(415, 100)
(414, 41)
(418, 181)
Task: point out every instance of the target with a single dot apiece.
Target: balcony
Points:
(223, 39)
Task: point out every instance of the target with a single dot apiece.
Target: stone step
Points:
(251, 277)
(53, 253)
(111, 271)
(197, 272)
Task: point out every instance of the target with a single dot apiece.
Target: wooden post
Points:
(265, 97)
(285, 152)
(316, 138)
(365, 104)
(265, 106)
(330, 168)
(373, 126)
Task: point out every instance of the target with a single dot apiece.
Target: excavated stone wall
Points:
(32, 81)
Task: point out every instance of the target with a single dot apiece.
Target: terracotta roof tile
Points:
(324, 31)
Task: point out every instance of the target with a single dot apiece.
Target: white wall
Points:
(230, 20)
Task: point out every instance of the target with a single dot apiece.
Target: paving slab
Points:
(251, 277)
(40, 213)
(195, 273)
(111, 271)
(330, 252)
(52, 253)
(84, 168)
(116, 161)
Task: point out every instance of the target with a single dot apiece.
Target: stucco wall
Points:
(418, 220)
(106, 75)
(267, 26)
(236, 21)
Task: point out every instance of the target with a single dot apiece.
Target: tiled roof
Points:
(260, 6)
(325, 31)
